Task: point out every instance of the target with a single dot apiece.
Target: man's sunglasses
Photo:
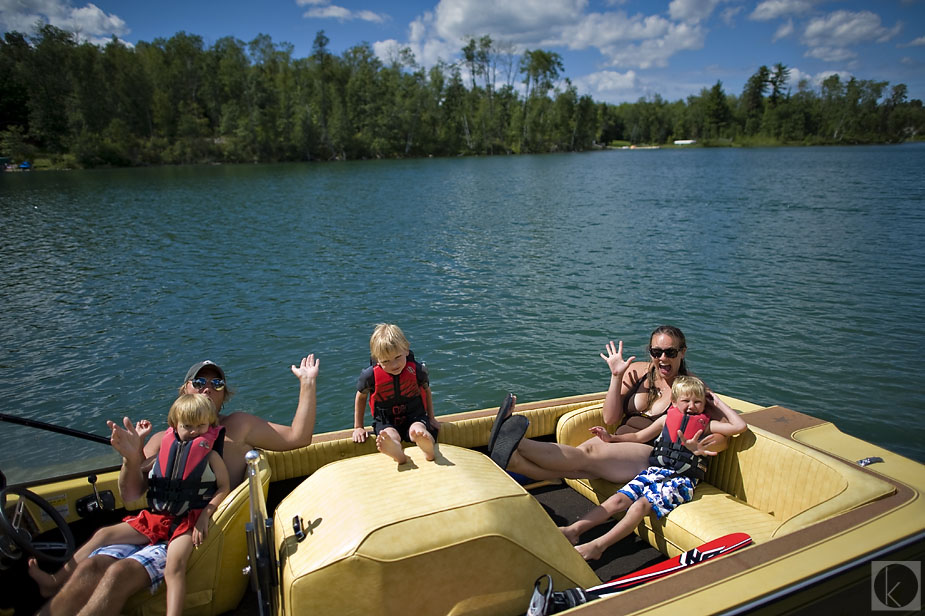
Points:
(656, 352)
(200, 383)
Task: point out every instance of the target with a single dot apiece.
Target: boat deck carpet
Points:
(564, 505)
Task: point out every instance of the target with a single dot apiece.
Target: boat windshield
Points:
(32, 455)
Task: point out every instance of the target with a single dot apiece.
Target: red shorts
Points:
(163, 526)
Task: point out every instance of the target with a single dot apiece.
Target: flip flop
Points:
(509, 436)
(504, 413)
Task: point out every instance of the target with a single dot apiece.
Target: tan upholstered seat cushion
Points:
(419, 538)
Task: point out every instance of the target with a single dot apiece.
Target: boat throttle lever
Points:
(96, 502)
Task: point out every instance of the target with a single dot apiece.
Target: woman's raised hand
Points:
(614, 359)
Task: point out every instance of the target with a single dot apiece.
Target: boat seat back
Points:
(452, 536)
(470, 429)
(215, 582)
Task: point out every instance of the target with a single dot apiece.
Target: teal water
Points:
(798, 276)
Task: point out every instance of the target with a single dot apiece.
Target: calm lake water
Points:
(798, 276)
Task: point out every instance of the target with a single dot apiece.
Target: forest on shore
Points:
(176, 101)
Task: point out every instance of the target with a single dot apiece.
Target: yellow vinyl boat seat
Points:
(215, 579)
(763, 484)
(454, 536)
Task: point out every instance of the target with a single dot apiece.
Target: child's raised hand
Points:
(614, 359)
(359, 435)
(698, 445)
(143, 427)
(601, 433)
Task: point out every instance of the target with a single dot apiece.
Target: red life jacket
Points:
(397, 397)
(669, 452)
(175, 483)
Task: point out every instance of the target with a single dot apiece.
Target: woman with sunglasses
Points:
(104, 582)
(639, 393)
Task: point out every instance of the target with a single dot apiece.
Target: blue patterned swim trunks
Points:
(152, 557)
(661, 488)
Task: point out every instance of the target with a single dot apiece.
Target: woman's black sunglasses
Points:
(671, 352)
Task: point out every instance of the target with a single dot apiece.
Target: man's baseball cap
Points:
(194, 370)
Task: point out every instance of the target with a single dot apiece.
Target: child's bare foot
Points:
(590, 550)
(425, 441)
(570, 534)
(391, 448)
(47, 583)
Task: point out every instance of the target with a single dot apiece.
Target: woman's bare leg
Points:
(615, 462)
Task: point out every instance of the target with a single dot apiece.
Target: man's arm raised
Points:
(277, 437)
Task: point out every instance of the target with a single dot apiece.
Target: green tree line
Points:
(178, 101)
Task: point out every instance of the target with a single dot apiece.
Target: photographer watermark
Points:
(895, 585)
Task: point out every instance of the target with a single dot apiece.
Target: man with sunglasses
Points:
(104, 582)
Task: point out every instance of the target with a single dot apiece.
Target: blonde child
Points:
(675, 465)
(182, 497)
(398, 391)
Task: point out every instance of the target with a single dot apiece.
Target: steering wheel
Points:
(44, 551)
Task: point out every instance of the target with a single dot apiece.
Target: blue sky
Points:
(614, 50)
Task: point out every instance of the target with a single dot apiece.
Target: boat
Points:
(337, 528)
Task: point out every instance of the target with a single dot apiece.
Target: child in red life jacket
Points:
(188, 481)
(675, 465)
(398, 390)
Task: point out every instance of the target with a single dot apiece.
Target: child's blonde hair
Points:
(192, 409)
(387, 340)
(685, 385)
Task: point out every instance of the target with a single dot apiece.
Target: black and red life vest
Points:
(397, 397)
(669, 452)
(176, 483)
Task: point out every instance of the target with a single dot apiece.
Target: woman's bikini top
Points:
(643, 419)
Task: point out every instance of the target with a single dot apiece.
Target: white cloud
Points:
(783, 31)
(427, 48)
(830, 37)
(918, 42)
(608, 82)
(89, 22)
(656, 51)
(830, 54)
(606, 29)
(843, 28)
(692, 11)
(637, 41)
(527, 22)
(776, 9)
(323, 10)
(728, 15)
